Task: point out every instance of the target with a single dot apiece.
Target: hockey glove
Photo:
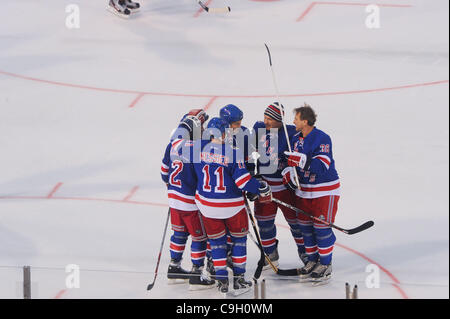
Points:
(265, 193)
(288, 178)
(296, 159)
(251, 197)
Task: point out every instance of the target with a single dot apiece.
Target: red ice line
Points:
(313, 4)
(213, 97)
(134, 190)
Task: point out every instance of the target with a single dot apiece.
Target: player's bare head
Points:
(304, 115)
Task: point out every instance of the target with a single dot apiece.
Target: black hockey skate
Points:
(210, 268)
(176, 274)
(223, 285)
(303, 257)
(198, 282)
(239, 282)
(321, 274)
(240, 285)
(306, 271)
(119, 8)
(132, 6)
(274, 257)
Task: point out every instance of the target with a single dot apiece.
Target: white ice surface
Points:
(58, 124)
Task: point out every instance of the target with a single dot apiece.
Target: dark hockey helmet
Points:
(217, 123)
(231, 113)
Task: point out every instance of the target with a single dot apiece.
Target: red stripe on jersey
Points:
(321, 188)
(165, 170)
(272, 183)
(175, 143)
(213, 204)
(174, 196)
(243, 180)
(323, 159)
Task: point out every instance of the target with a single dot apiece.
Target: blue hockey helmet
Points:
(217, 123)
(231, 113)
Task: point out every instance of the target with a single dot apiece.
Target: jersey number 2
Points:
(178, 167)
(220, 187)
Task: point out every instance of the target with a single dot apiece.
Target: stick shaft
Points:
(277, 95)
(150, 286)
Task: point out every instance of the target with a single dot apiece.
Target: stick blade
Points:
(288, 272)
(219, 10)
(358, 229)
(150, 286)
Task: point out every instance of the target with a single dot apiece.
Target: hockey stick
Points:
(259, 244)
(277, 95)
(351, 231)
(214, 10)
(150, 286)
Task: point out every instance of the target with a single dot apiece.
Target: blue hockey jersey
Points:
(221, 180)
(177, 171)
(319, 177)
(271, 147)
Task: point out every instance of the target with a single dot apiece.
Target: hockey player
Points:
(318, 192)
(123, 8)
(178, 173)
(233, 116)
(270, 133)
(221, 180)
(238, 135)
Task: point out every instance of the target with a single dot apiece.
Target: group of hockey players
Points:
(213, 169)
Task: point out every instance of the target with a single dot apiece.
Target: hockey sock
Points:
(229, 243)
(198, 253)
(309, 238)
(268, 233)
(208, 249)
(298, 237)
(325, 242)
(177, 244)
(239, 254)
(219, 255)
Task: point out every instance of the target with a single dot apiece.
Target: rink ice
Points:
(390, 145)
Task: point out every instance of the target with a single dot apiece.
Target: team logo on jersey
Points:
(299, 144)
(198, 232)
(312, 178)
